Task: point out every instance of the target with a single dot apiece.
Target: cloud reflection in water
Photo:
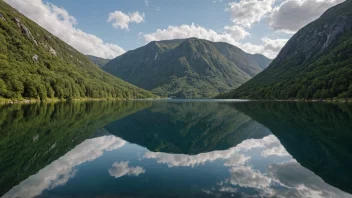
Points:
(61, 170)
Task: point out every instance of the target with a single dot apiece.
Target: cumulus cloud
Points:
(269, 47)
(60, 23)
(187, 31)
(61, 170)
(176, 160)
(237, 32)
(245, 176)
(121, 169)
(247, 12)
(291, 15)
(122, 20)
(269, 145)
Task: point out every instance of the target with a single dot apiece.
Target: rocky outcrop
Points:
(25, 31)
(17, 21)
(2, 17)
(35, 58)
(52, 51)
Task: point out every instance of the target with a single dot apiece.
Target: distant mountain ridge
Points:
(187, 68)
(98, 61)
(36, 65)
(316, 63)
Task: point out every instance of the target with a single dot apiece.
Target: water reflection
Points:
(187, 127)
(60, 171)
(201, 150)
(32, 136)
(317, 135)
(120, 169)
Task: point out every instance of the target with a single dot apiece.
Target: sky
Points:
(109, 28)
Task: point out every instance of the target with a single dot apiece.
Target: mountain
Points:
(187, 128)
(187, 68)
(98, 61)
(315, 63)
(35, 64)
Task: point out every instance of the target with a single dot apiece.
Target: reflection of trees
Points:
(188, 128)
(317, 135)
(32, 136)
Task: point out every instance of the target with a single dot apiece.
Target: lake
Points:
(176, 148)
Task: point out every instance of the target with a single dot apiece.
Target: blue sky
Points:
(256, 26)
(209, 14)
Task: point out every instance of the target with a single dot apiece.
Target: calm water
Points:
(176, 149)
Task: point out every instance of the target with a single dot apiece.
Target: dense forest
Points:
(34, 135)
(34, 64)
(316, 63)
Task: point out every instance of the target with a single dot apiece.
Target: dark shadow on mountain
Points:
(34, 135)
(317, 135)
(187, 128)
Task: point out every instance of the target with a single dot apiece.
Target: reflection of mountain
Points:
(187, 128)
(32, 136)
(317, 135)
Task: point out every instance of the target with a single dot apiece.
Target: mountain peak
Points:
(186, 68)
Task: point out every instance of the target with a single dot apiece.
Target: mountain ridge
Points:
(186, 68)
(98, 60)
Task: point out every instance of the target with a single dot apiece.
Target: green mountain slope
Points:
(186, 68)
(98, 61)
(315, 63)
(35, 64)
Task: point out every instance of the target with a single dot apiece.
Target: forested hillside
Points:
(34, 64)
(187, 68)
(316, 63)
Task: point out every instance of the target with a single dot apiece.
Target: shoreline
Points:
(32, 101)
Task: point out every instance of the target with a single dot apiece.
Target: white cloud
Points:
(61, 170)
(270, 145)
(247, 12)
(237, 32)
(146, 3)
(122, 20)
(121, 169)
(269, 47)
(292, 15)
(60, 23)
(175, 160)
(187, 31)
(245, 176)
